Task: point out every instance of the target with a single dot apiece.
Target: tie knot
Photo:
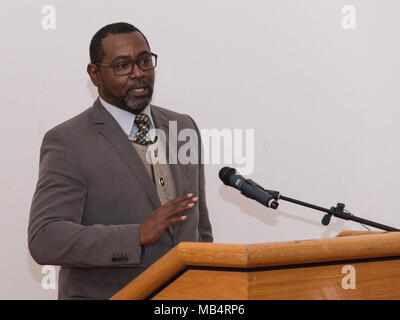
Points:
(142, 120)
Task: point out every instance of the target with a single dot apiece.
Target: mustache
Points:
(139, 84)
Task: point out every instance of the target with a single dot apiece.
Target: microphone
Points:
(247, 187)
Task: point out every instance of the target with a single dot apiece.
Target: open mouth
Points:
(138, 91)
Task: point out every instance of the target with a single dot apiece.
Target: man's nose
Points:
(137, 72)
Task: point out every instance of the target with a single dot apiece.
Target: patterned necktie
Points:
(143, 123)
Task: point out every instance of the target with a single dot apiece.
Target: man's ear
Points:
(93, 72)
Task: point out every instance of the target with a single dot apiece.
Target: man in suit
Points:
(100, 210)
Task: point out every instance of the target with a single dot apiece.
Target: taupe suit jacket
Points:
(93, 192)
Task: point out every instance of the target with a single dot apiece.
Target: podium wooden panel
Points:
(353, 265)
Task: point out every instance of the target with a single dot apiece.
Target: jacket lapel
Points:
(110, 129)
(161, 122)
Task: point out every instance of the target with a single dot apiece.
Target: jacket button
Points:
(162, 181)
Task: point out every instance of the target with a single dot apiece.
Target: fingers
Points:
(164, 217)
(178, 200)
(180, 204)
(173, 221)
(177, 207)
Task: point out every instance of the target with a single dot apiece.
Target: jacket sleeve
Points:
(205, 229)
(55, 233)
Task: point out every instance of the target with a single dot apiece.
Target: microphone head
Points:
(225, 173)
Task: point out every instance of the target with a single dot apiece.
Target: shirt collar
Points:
(125, 118)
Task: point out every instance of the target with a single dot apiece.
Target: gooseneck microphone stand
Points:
(337, 211)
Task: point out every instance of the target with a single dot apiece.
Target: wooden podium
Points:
(353, 265)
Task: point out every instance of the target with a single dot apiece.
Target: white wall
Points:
(323, 102)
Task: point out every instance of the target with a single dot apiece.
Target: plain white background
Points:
(322, 100)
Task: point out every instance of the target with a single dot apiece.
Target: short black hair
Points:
(96, 48)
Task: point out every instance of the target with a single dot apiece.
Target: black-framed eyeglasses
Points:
(124, 65)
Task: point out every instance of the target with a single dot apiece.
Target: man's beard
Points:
(138, 104)
(134, 105)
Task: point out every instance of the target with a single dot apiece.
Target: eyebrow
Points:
(128, 57)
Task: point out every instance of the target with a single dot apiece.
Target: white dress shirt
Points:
(126, 120)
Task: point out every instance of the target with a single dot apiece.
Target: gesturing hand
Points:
(164, 217)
